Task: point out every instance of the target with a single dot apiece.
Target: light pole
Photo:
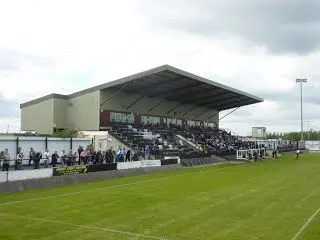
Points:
(301, 81)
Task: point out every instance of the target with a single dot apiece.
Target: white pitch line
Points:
(306, 224)
(109, 187)
(86, 227)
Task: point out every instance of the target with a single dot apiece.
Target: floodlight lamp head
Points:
(301, 80)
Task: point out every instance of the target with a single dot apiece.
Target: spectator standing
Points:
(32, 154)
(63, 158)
(37, 159)
(70, 156)
(99, 158)
(1, 157)
(46, 158)
(80, 150)
(18, 165)
(146, 152)
(118, 155)
(128, 155)
(74, 158)
(82, 157)
(109, 156)
(6, 160)
(54, 159)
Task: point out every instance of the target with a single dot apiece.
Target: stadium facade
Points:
(160, 95)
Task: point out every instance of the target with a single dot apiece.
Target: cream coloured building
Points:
(161, 95)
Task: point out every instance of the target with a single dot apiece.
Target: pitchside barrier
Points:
(20, 175)
(150, 163)
(244, 154)
(173, 157)
(128, 165)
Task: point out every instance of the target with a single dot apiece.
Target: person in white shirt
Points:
(298, 153)
(19, 161)
(46, 158)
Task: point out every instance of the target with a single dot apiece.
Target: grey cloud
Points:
(11, 60)
(310, 96)
(8, 109)
(282, 26)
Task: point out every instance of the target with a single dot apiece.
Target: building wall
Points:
(83, 112)
(122, 101)
(259, 132)
(38, 117)
(60, 112)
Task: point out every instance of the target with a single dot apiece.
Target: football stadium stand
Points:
(164, 111)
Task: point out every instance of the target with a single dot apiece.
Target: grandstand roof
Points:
(172, 84)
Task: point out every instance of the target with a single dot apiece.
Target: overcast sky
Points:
(260, 47)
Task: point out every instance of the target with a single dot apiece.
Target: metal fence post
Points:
(71, 144)
(46, 143)
(8, 174)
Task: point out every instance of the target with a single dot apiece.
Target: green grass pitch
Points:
(273, 199)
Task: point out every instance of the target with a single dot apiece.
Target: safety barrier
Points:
(312, 145)
(21, 175)
(244, 154)
(173, 157)
(169, 161)
(150, 163)
(29, 174)
(128, 165)
(3, 177)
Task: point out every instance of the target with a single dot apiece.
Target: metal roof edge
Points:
(208, 81)
(120, 81)
(42, 99)
(133, 77)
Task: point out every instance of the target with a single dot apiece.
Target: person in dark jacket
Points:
(6, 160)
(1, 157)
(98, 159)
(54, 159)
(128, 155)
(37, 159)
(32, 154)
(109, 156)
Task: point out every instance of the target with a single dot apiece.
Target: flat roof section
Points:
(173, 84)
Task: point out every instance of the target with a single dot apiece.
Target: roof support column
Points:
(189, 111)
(202, 113)
(213, 115)
(134, 102)
(157, 105)
(229, 113)
(174, 108)
(114, 94)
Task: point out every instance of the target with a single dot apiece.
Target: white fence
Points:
(150, 163)
(25, 174)
(244, 154)
(128, 165)
(13, 143)
(312, 145)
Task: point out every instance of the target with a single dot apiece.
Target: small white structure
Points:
(102, 140)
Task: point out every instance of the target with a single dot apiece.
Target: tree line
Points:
(311, 135)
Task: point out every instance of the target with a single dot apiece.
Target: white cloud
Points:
(77, 44)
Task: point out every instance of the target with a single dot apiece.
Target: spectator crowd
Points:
(83, 156)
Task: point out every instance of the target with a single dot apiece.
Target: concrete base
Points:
(19, 186)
